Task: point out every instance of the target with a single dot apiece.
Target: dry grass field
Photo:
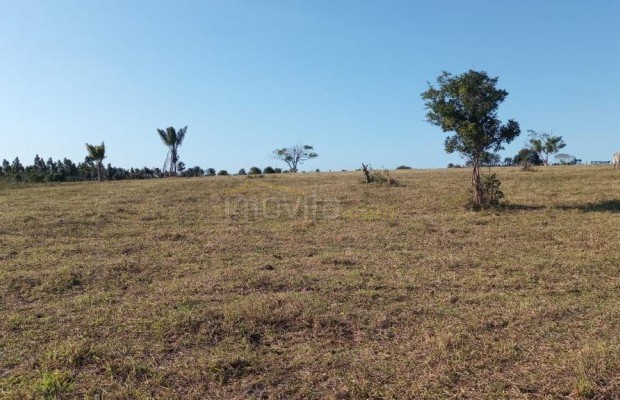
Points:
(313, 286)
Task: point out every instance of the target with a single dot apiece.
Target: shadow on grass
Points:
(612, 206)
(601, 206)
(521, 207)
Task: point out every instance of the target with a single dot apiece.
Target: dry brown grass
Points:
(312, 286)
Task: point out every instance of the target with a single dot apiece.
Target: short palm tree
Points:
(172, 139)
(97, 154)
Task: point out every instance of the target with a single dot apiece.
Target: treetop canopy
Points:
(467, 104)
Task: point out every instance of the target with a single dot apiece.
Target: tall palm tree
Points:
(172, 139)
(97, 154)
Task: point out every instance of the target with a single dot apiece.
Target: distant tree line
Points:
(92, 168)
(66, 170)
(536, 152)
(525, 156)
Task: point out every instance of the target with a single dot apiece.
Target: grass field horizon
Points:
(312, 286)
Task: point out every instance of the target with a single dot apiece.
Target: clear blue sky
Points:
(248, 76)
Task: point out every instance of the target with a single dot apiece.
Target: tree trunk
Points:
(479, 197)
(99, 171)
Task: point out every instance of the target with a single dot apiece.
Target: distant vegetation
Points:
(255, 171)
(380, 177)
(92, 167)
(465, 105)
(295, 155)
(67, 171)
(544, 144)
(96, 154)
(172, 139)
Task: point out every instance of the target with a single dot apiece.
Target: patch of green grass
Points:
(55, 385)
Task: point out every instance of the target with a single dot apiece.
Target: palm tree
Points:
(96, 154)
(172, 139)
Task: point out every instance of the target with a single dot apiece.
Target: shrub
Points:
(379, 177)
(222, 172)
(403, 167)
(492, 193)
(269, 170)
(241, 172)
(527, 166)
(193, 172)
(210, 172)
(255, 171)
(277, 170)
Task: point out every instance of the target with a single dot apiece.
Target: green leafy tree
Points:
(564, 158)
(17, 166)
(295, 155)
(50, 165)
(255, 171)
(193, 172)
(467, 105)
(172, 139)
(96, 154)
(39, 164)
(527, 156)
(544, 144)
